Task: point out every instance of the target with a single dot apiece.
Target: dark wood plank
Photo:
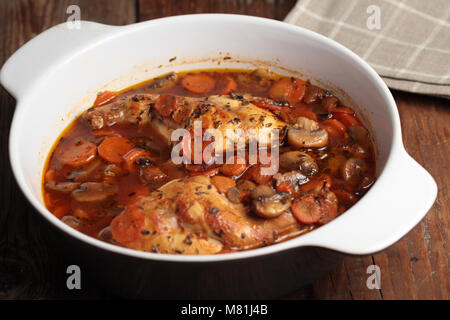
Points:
(276, 9)
(28, 267)
(395, 262)
(425, 124)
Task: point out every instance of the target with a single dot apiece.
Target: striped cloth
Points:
(406, 41)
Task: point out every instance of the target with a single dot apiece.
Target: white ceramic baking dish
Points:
(55, 76)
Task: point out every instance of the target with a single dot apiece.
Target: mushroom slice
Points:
(63, 187)
(297, 160)
(94, 191)
(106, 235)
(306, 133)
(269, 204)
(263, 75)
(356, 150)
(360, 135)
(245, 185)
(293, 178)
(354, 170)
(307, 124)
(234, 195)
(260, 76)
(82, 173)
(313, 94)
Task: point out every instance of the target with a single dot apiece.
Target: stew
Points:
(112, 174)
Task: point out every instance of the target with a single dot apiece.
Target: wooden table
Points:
(416, 267)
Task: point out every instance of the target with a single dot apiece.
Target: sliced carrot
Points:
(347, 119)
(127, 226)
(291, 90)
(166, 104)
(61, 211)
(233, 169)
(76, 152)
(334, 127)
(50, 175)
(226, 85)
(306, 210)
(223, 184)
(332, 131)
(198, 83)
(330, 103)
(210, 172)
(281, 89)
(104, 98)
(298, 92)
(112, 149)
(285, 187)
(336, 124)
(329, 212)
(255, 174)
(132, 156)
(303, 112)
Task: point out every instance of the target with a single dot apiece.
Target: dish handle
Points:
(374, 224)
(31, 63)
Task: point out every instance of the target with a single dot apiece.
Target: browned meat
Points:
(233, 118)
(191, 216)
(133, 109)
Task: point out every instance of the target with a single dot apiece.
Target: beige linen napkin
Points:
(407, 42)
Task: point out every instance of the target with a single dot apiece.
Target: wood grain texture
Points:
(28, 267)
(274, 9)
(416, 267)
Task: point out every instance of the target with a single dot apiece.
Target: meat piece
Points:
(191, 216)
(152, 175)
(237, 119)
(234, 119)
(132, 109)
